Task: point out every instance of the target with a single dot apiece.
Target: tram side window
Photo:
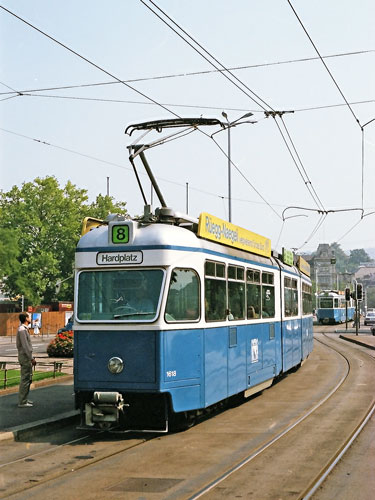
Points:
(215, 291)
(236, 292)
(306, 299)
(183, 296)
(290, 297)
(268, 295)
(253, 293)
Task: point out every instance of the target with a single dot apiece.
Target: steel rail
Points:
(312, 488)
(272, 441)
(243, 462)
(60, 474)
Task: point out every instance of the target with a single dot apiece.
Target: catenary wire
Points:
(174, 105)
(323, 62)
(119, 81)
(87, 60)
(322, 218)
(223, 69)
(90, 157)
(199, 45)
(124, 83)
(196, 73)
(179, 27)
(300, 162)
(306, 182)
(355, 225)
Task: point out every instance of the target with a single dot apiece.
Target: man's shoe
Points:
(30, 402)
(26, 405)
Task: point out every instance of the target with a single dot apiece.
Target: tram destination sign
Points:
(215, 229)
(119, 258)
(303, 266)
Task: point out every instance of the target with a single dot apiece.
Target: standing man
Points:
(26, 360)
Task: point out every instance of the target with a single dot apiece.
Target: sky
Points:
(77, 134)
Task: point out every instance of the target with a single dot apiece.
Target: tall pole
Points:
(187, 197)
(229, 181)
(229, 125)
(107, 186)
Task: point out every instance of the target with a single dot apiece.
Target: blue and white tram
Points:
(332, 307)
(170, 321)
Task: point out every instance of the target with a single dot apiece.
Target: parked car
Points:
(67, 327)
(370, 318)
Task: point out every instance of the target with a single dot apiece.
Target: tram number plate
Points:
(172, 373)
(120, 234)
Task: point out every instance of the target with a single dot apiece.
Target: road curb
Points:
(29, 430)
(36, 385)
(355, 341)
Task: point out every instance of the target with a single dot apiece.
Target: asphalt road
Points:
(8, 345)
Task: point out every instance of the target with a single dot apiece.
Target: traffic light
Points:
(359, 291)
(347, 293)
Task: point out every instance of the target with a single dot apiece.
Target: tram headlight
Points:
(115, 365)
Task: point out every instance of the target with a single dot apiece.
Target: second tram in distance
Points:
(333, 308)
(174, 315)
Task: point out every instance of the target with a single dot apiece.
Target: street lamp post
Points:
(228, 127)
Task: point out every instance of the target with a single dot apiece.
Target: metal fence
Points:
(5, 366)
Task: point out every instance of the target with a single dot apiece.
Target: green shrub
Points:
(61, 346)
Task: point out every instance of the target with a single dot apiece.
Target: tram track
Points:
(189, 488)
(323, 474)
(327, 470)
(266, 445)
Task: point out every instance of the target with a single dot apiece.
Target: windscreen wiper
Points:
(125, 315)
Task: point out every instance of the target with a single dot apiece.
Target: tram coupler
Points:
(105, 409)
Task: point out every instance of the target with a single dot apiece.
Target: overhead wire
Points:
(87, 60)
(322, 218)
(323, 62)
(208, 55)
(222, 66)
(195, 73)
(156, 103)
(174, 105)
(94, 158)
(115, 78)
(305, 177)
(342, 95)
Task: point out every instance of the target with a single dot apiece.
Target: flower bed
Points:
(61, 346)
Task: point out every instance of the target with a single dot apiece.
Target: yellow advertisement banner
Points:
(215, 229)
(303, 266)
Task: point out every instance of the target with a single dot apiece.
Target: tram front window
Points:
(326, 303)
(121, 295)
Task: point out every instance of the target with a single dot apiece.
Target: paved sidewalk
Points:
(51, 403)
(363, 339)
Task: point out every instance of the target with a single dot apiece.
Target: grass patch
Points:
(13, 377)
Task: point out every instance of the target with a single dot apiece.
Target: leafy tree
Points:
(42, 224)
(357, 256)
(370, 292)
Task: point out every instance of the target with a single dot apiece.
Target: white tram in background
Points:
(334, 308)
(174, 315)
